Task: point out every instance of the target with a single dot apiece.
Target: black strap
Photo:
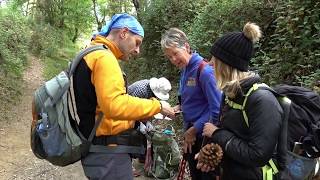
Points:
(129, 141)
(94, 129)
(129, 137)
(72, 68)
(202, 64)
(106, 140)
(119, 149)
(282, 146)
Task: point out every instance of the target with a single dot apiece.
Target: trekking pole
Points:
(182, 167)
(205, 139)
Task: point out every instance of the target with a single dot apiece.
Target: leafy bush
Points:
(290, 52)
(220, 17)
(14, 33)
(46, 40)
(59, 61)
(14, 42)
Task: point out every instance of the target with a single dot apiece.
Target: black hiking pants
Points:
(195, 173)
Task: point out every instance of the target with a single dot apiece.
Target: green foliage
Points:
(78, 18)
(219, 17)
(14, 40)
(107, 8)
(290, 53)
(46, 40)
(112, 7)
(53, 66)
(59, 62)
(10, 92)
(70, 16)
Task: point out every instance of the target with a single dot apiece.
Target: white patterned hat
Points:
(160, 87)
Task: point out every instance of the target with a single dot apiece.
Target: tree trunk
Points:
(75, 36)
(62, 11)
(27, 8)
(136, 4)
(96, 15)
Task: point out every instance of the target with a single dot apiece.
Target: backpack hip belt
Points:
(128, 137)
(129, 141)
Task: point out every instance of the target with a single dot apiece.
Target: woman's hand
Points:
(209, 129)
(189, 139)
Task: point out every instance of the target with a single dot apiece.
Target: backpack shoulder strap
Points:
(71, 97)
(242, 106)
(282, 99)
(83, 53)
(202, 64)
(285, 104)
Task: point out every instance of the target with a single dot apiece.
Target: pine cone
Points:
(211, 155)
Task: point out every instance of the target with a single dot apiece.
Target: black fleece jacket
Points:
(247, 149)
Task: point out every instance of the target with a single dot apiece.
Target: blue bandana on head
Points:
(120, 21)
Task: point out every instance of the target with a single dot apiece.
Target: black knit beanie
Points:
(236, 49)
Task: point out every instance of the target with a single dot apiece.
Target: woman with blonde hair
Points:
(247, 145)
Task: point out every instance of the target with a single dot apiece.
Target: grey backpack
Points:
(54, 136)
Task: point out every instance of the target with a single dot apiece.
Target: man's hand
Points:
(167, 110)
(189, 139)
(209, 129)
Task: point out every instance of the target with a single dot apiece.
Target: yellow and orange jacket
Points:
(106, 92)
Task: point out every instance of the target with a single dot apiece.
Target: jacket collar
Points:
(195, 58)
(246, 84)
(111, 45)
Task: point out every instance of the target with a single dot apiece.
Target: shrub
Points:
(46, 40)
(290, 52)
(220, 17)
(14, 42)
(15, 36)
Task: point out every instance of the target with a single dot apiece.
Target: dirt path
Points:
(16, 158)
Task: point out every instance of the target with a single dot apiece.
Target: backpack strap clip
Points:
(269, 170)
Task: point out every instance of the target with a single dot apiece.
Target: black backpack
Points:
(304, 118)
(301, 126)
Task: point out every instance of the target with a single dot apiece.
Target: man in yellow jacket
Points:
(99, 86)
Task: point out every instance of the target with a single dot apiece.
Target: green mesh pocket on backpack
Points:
(166, 155)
